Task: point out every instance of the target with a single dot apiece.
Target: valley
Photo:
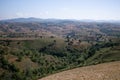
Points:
(31, 49)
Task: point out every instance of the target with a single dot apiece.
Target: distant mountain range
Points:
(32, 19)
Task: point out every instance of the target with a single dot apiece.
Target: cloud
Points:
(21, 14)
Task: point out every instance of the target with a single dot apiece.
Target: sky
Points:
(61, 9)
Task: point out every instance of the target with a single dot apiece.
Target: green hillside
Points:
(32, 59)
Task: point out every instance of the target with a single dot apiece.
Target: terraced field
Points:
(104, 71)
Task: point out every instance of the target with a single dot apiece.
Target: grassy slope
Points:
(105, 55)
(105, 71)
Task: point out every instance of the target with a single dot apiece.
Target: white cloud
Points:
(21, 14)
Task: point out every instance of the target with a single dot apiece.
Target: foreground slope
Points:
(105, 71)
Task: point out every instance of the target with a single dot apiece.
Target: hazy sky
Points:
(63, 9)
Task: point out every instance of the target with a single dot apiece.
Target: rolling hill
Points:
(32, 48)
(105, 71)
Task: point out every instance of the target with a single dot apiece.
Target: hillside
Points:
(105, 71)
(36, 58)
(31, 48)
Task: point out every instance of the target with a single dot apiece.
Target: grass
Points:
(104, 55)
(26, 63)
(105, 71)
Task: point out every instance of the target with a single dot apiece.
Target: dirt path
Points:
(105, 71)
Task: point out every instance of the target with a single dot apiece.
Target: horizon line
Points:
(61, 19)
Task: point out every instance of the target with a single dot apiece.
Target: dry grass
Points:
(26, 63)
(105, 71)
(19, 39)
